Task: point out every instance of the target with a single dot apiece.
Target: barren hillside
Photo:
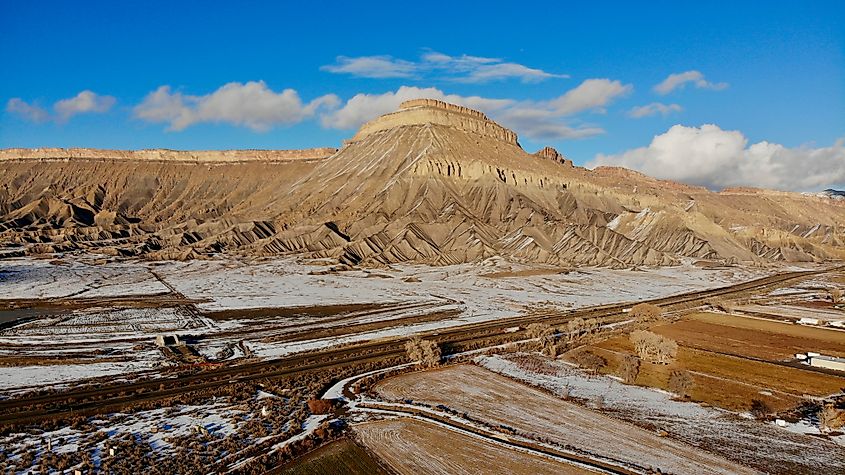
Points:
(431, 183)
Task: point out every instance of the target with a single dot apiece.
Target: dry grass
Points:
(496, 399)
(342, 457)
(764, 339)
(416, 447)
(723, 354)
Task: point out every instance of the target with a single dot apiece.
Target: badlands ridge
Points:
(432, 183)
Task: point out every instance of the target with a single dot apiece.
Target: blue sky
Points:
(567, 75)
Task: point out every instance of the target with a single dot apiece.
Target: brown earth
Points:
(751, 337)
(495, 399)
(431, 183)
(341, 457)
(416, 447)
(733, 360)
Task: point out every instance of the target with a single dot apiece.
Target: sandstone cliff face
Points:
(550, 153)
(431, 183)
(429, 111)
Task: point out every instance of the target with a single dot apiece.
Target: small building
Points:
(827, 362)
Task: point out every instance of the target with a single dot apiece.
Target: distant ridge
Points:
(165, 154)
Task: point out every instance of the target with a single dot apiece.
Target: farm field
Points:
(342, 457)
(761, 445)
(498, 400)
(752, 337)
(415, 447)
(733, 360)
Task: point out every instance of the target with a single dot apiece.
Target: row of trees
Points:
(652, 347)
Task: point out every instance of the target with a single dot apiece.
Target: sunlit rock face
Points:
(433, 183)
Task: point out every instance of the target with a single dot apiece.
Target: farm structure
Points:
(823, 361)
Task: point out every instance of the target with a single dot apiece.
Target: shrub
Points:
(320, 406)
(590, 361)
(645, 313)
(425, 352)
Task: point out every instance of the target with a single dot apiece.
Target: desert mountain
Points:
(432, 182)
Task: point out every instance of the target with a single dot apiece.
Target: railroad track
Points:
(88, 401)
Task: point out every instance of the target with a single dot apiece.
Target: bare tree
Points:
(545, 336)
(574, 328)
(680, 383)
(425, 352)
(645, 313)
(667, 350)
(653, 347)
(759, 409)
(630, 369)
(830, 418)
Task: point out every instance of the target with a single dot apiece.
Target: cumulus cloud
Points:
(679, 80)
(364, 107)
(464, 68)
(716, 158)
(26, 111)
(592, 94)
(542, 120)
(652, 109)
(86, 102)
(250, 104)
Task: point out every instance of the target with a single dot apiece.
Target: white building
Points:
(828, 362)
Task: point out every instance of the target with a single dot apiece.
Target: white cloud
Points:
(532, 119)
(364, 107)
(589, 95)
(465, 68)
(372, 67)
(654, 108)
(250, 104)
(26, 111)
(539, 123)
(717, 158)
(86, 102)
(679, 80)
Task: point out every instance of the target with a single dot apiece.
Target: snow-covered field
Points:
(751, 442)
(461, 293)
(495, 400)
(231, 284)
(28, 278)
(160, 428)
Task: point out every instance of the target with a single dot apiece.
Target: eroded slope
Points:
(431, 183)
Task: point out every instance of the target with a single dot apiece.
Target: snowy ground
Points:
(461, 293)
(751, 442)
(28, 278)
(231, 284)
(158, 427)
